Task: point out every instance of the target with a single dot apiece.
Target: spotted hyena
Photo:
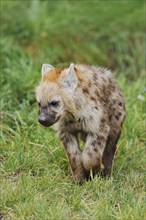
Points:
(83, 103)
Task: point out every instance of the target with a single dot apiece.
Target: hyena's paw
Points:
(80, 174)
(80, 179)
(106, 173)
(92, 161)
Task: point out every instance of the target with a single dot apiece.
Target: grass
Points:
(36, 181)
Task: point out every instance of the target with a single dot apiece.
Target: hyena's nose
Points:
(42, 118)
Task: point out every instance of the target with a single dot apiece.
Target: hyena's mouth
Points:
(48, 122)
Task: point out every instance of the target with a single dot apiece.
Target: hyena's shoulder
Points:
(94, 75)
(96, 82)
(91, 70)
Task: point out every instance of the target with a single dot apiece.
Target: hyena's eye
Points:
(54, 103)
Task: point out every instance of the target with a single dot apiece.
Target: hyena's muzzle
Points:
(45, 118)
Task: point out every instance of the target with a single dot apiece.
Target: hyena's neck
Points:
(80, 115)
(75, 104)
(82, 107)
(80, 104)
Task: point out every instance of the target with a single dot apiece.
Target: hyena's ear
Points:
(71, 80)
(46, 68)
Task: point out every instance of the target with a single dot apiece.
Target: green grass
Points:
(36, 181)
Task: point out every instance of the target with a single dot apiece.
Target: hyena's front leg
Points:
(95, 145)
(71, 145)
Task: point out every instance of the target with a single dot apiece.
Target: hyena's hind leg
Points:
(114, 135)
(109, 153)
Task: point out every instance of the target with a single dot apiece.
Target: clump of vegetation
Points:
(35, 177)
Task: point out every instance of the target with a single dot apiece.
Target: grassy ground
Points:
(36, 181)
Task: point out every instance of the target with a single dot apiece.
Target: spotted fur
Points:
(90, 106)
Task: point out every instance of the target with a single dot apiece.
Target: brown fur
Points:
(53, 75)
(91, 107)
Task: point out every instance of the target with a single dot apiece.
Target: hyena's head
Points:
(55, 94)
